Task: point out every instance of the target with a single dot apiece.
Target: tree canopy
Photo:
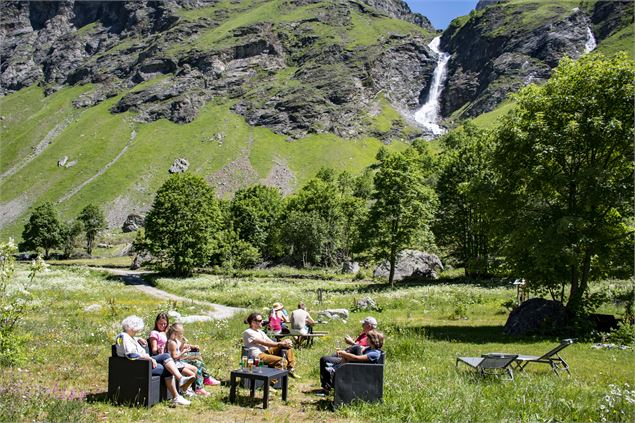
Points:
(182, 225)
(403, 207)
(93, 221)
(564, 163)
(43, 230)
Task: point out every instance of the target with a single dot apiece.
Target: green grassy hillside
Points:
(121, 163)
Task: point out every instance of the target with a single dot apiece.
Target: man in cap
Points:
(356, 347)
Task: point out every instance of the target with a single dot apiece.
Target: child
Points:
(177, 349)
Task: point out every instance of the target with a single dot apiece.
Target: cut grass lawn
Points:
(69, 348)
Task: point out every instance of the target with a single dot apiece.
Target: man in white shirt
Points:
(270, 352)
(301, 320)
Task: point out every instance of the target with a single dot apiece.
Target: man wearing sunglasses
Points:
(274, 354)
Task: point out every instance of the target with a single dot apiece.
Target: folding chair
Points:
(490, 364)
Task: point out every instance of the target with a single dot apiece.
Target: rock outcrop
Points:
(411, 263)
(536, 316)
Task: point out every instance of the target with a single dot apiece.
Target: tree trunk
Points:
(393, 259)
(579, 283)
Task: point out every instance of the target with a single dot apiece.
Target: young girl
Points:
(158, 337)
(181, 353)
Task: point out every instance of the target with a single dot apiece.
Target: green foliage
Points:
(93, 221)
(234, 253)
(564, 168)
(182, 225)
(255, 212)
(404, 205)
(624, 334)
(70, 232)
(464, 186)
(43, 231)
(322, 221)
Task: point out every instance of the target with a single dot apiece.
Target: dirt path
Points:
(135, 278)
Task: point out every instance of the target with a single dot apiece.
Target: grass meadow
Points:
(427, 325)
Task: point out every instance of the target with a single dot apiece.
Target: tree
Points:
(464, 188)
(43, 230)
(69, 232)
(255, 212)
(182, 225)
(403, 207)
(93, 221)
(564, 163)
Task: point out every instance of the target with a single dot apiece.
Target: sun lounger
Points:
(552, 358)
(490, 364)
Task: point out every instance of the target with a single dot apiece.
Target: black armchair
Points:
(362, 381)
(131, 382)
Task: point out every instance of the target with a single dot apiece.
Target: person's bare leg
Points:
(169, 383)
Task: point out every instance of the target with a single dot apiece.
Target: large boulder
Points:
(133, 223)
(411, 263)
(333, 314)
(536, 316)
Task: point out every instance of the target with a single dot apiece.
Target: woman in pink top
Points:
(158, 337)
(277, 318)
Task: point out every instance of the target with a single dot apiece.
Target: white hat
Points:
(371, 321)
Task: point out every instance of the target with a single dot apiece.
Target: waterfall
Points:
(428, 114)
(590, 44)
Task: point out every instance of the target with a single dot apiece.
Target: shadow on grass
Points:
(467, 334)
(98, 397)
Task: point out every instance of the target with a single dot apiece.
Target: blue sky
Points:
(441, 12)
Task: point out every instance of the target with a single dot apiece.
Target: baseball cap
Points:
(371, 321)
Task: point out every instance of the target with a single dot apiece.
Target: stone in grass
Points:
(180, 165)
(411, 263)
(350, 267)
(537, 316)
(194, 319)
(333, 314)
(367, 303)
(92, 307)
(133, 223)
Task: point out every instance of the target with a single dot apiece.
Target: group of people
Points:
(300, 320)
(171, 355)
(181, 364)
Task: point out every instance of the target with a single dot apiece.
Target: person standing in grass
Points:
(370, 354)
(356, 347)
(133, 348)
(270, 352)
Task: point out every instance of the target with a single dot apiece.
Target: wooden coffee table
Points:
(266, 374)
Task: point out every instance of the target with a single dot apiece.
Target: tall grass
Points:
(71, 343)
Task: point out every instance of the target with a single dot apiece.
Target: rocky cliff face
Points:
(327, 87)
(504, 45)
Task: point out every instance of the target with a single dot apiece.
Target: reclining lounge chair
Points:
(490, 363)
(552, 358)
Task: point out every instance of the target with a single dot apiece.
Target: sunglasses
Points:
(258, 320)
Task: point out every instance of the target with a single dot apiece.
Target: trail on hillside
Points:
(39, 148)
(100, 172)
(135, 278)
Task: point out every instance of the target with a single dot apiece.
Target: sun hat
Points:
(277, 306)
(371, 321)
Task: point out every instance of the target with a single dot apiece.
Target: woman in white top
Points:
(133, 348)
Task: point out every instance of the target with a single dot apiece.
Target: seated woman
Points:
(270, 352)
(158, 340)
(133, 348)
(278, 319)
(370, 354)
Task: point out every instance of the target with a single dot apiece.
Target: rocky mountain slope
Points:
(99, 99)
(504, 45)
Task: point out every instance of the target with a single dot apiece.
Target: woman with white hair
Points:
(133, 348)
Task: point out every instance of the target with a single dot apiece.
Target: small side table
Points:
(267, 375)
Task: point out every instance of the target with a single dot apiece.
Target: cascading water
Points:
(428, 115)
(590, 44)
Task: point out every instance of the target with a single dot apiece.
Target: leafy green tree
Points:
(465, 187)
(307, 235)
(182, 226)
(70, 232)
(255, 212)
(93, 222)
(43, 230)
(404, 205)
(564, 162)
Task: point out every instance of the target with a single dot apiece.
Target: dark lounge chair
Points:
(490, 364)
